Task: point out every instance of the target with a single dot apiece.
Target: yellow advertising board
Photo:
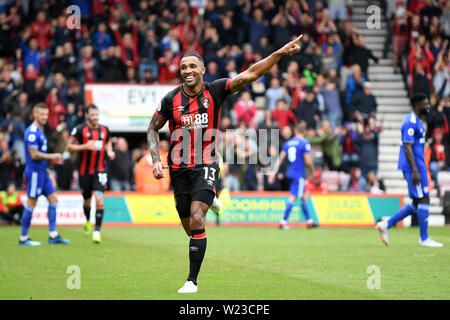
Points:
(339, 210)
(150, 209)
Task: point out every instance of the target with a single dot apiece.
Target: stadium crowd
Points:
(326, 85)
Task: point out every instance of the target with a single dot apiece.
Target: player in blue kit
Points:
(411, 162)
(38, 181)
(297, 149)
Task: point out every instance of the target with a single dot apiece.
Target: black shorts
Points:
(193, 184)
(93, 182)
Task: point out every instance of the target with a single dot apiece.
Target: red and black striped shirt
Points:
(193, 123)
(91, 161)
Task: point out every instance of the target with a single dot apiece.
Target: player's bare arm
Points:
(277, 166)
(37, 155)
(410, 157)
(109, 150)
(308, 162)
(72, 147)
(153, 143)
(262, 67)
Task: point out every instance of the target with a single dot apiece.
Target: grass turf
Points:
(241, 263)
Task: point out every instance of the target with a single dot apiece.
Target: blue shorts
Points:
(297, 187)
(38, 183)
(420, 190)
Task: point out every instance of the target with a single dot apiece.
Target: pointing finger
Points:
(298, 38)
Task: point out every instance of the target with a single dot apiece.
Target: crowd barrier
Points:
(244, 208)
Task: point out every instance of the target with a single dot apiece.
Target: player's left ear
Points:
(203, 70)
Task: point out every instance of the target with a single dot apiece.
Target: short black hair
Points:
(89, 107)
(417, 98)
(194, 54)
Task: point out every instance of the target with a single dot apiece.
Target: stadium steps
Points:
(393, 106)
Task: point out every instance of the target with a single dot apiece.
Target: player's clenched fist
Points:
(158, 170)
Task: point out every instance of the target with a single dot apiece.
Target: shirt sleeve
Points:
(221, 89)
(307, 148)
(31, 139)
(163, 110)
(408, 132)
(75, 135)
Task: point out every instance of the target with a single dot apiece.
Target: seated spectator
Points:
(350, 149)
(355, 183)
(315, 183)
(11, 206)
(438, 154)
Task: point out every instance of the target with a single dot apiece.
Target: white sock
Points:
(282, 221)
(23, 238)
(53, 234)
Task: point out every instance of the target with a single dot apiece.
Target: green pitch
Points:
(240, 263)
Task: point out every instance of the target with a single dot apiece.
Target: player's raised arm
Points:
(153, 143)
(262, 67)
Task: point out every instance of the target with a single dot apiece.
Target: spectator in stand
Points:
(31, 53)
(325, 26)
(112, 68)
(282, 27)
(17, 103)
(11, 206)
(101, 39)
(71, 118)
(41, 30)
(57, 64)
(420, 79)
(59, 82)
(338, 9)
(257, 26)
(315, 183)
(39, 93)
(16, 129)
(364, 103)
(438, 117)
(330, 143)
(60, 31)
(128, 44)
(149, 54)
(274, 93)
(367, 140)
(308, 110)
(331, 99)
(282, 115)
(264, 47)
(354, 84)
(350, 149)
(438, 154)
(56, 109)
(87, 66)
(399, 26)
(5, 162)
(363, 54)
(245, 110)
(169, 66)
(441, 78)
(355, 183)
(121, 166)
(348, 39)
(212, 72)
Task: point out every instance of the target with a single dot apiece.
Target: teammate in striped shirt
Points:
(193, 113)
(412, 162)
(38, 181)
(93, 142)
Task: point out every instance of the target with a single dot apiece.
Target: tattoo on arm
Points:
(153, 137)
